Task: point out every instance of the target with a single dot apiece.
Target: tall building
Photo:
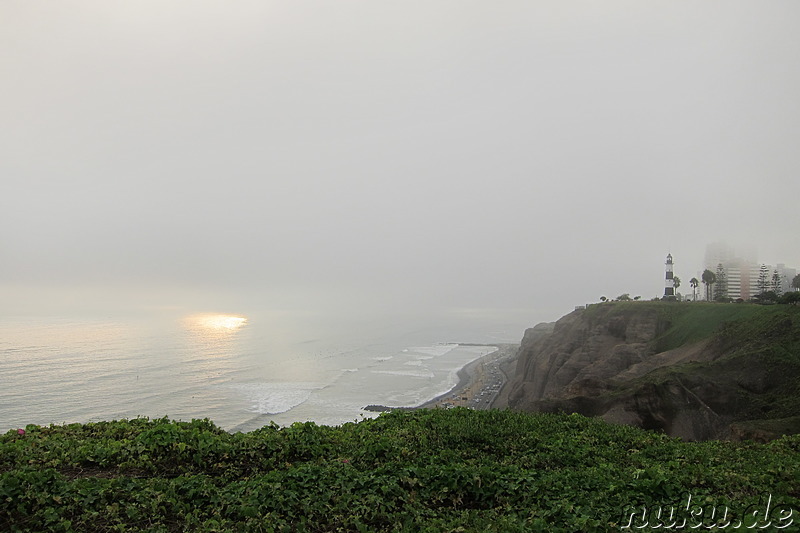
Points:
(787, 275)
(742, 270)
(742, 279)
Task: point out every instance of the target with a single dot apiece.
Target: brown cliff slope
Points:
(693, 370)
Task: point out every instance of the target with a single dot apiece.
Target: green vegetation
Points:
(426, 470)
(693, 283)
(708, 278)
(750, 371)
(741, 324)
(759, 349)
(703, 320)
(791, 298)
(721, 284)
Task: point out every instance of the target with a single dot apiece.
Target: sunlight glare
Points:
(220, 322)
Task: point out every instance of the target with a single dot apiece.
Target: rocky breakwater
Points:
(629, 363)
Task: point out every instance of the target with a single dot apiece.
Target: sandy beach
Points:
(479, 382)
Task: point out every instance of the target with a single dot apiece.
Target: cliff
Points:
(692, 370)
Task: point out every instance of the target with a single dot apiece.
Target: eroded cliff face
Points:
(582, 352)
(604, 361)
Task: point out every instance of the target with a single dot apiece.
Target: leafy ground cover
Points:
(425, 470)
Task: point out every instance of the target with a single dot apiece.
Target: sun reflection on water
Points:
(222, 321)
(215, 325)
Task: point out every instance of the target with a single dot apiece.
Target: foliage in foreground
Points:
(426, 470)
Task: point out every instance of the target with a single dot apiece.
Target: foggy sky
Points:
(459, 154)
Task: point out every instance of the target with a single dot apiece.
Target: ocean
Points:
(241, 371)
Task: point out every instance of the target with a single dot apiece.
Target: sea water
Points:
(241, 372)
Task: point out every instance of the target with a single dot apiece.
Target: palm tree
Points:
(694, 283)
(676, 282)
(796, 282)
(709, 278)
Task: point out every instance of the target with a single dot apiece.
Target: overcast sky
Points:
(460, 154)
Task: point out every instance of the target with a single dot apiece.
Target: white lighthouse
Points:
(669, 282)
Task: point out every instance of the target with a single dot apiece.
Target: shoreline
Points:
(479, 382)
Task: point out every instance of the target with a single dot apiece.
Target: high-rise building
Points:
(742, 270)
(742, 279)
(787, 275)
(741, 273)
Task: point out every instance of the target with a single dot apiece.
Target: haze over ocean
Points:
(241, 374)
(356, 178)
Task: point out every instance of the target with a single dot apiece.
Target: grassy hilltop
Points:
(696, 370)
(427, 470)
(758, 359)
